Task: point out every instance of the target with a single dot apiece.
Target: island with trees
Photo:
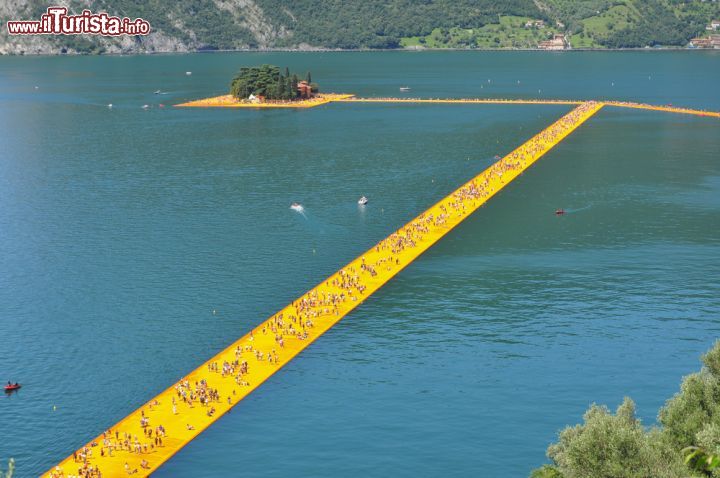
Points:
(268, 83)
(266, 86)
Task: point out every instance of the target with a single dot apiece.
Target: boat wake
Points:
(298, 208)
(573, 211)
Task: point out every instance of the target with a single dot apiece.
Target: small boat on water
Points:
(404, 88)
(363, 201)
(188, 73)
(157, 92)
(559, 212)
(11, 387)
(497, 157)
(296, 206)
(145, 107)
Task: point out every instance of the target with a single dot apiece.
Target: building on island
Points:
(558, 42)
(304, 89)
(714, 25)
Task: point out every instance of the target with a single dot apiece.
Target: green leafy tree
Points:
(700, 460)
(687, 442)
(696, 408)
(546, 471)
(616, 446)
(10, 471)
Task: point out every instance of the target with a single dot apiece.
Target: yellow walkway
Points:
(227, 101)
(455, 101)
(668, 109)
(622, 104)
(232, 374)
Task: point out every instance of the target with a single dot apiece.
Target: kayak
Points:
(10, 388)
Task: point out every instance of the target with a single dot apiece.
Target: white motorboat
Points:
(404, 88)
(296, 206)
(363, 201)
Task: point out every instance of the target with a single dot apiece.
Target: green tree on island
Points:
(266, 81)
(685, 444)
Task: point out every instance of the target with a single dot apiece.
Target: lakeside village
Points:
(559, 41)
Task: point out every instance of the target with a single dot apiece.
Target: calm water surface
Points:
(122, 230)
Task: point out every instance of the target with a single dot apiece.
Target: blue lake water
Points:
(121, 230)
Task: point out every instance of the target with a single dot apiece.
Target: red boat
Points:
(12, 387)
(559, 212)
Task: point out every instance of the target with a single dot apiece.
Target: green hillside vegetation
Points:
(587, 23)
(686, 443)
(381, 24)
(215, 24)
(507, 32)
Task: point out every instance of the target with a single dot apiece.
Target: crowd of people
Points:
(669, 108)
(264, 346)
(463, 100)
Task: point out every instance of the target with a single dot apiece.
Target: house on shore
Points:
(304, 89)
(558, 42)
(712, 41)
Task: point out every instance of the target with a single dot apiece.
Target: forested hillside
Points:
(187, 25)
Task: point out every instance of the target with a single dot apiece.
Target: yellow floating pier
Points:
(456, 101)
(228, 101)
(493, 101)
(667, 109)
(152, 434)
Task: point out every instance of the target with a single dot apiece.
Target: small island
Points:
(266, 83)
(266, 86)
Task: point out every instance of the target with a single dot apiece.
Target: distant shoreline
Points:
(370, 50)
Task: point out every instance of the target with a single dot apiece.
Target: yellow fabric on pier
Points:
(227, 101)
(298, 324)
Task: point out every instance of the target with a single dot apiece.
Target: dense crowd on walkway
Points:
(405, 99)
(297, 322)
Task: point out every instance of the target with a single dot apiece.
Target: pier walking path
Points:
(141, 442)
(228, 101)
(500, 101)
